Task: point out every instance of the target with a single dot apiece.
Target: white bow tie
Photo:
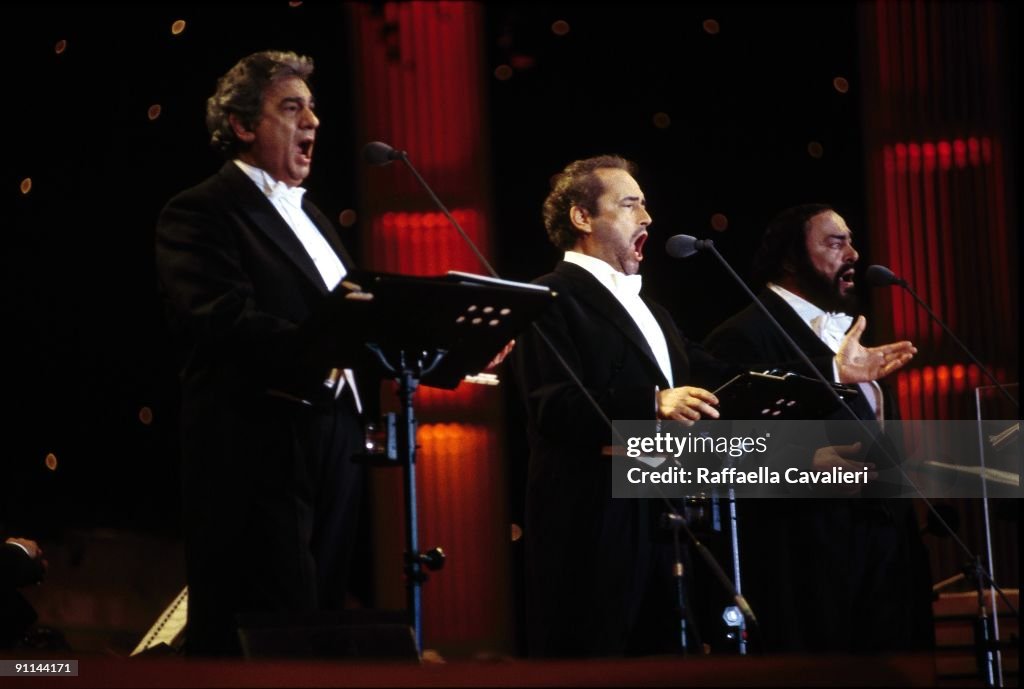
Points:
(831, 327)
(627, 284)
(292, 195)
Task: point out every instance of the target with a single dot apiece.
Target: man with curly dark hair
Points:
(270, 493)
(832, 573)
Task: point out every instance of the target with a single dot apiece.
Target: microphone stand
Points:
(675, 521)
(678, 522)
(379, 153)
(404, 157)
(986, 650)
(889, 278)
(986, 629)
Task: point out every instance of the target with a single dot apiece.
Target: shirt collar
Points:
(819, 320)
(805, 309)
(615, 281)
(270, 187)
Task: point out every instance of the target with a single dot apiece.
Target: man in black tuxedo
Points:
(836, 573)
(598, 579)
(267, 433)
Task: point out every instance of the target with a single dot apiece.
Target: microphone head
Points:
(379, 153)
(684, 245)
(681, 246)
(880, 276)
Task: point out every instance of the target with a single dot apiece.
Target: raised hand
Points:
(859, 364)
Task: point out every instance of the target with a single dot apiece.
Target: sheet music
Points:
(169, 628)
(473, 277)
(996, 475)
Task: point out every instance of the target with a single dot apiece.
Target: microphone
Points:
(684, 245)
(880, 276)
(379, 153)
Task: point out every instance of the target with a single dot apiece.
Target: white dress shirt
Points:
(288, 202)
(830, 327)
(626, 289)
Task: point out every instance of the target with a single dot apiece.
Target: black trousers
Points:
(271, 529)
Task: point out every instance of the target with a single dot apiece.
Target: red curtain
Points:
(419, 87)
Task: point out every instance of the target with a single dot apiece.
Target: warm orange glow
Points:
(841, 85)
(928, 375)
(26, 185)
(178, 27)
(456, 478)
(973, 376)
(154, 111)
(51, 462)
(448, 403)
(60, 47)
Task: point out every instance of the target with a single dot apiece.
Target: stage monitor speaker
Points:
(350, 634)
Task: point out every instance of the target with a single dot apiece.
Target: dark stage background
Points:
(739, 119)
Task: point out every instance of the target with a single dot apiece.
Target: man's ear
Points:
(242, 132)
(580, 219)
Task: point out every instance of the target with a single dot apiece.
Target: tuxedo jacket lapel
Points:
(328, 231)
(604, 302)
(676, 345)
(258, 209)
(801, 333)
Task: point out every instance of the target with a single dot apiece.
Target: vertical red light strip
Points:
(942, 213)
(915, 228)
(928, 222)
(956, 93)
(945, 230)
(892, 237)
(419, 88)
(903, 233)
(1008, 285)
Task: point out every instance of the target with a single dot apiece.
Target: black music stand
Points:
(424, 330)
(779, 395)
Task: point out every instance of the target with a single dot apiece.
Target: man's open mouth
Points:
(638, 246)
